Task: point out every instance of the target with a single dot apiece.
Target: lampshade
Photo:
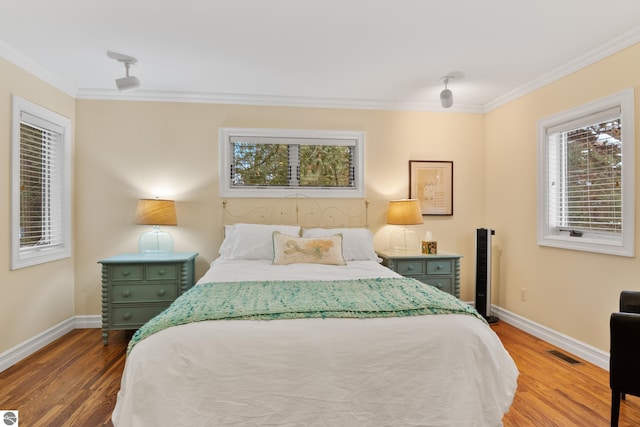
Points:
(404, 212)
(156, 212)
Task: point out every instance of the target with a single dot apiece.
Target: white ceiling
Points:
(336, 53)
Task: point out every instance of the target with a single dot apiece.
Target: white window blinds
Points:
(40, 192)
(585, 174)
(277, 162)
(586, 177)
(40, 185)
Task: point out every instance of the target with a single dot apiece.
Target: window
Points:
(586, 177)
(41, 183)
(279, 162)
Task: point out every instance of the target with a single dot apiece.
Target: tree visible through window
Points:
(275, 162)
(291, 165)
(326, 166)
(591, 197)
(586, 169)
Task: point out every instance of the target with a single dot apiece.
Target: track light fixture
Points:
(446, 96)
(128, 82)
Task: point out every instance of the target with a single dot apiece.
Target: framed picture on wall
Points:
(431, 182)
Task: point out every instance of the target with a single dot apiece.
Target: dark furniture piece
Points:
(624, 358)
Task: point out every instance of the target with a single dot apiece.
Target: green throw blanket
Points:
(269, 300)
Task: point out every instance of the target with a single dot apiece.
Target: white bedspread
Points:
(434, 370)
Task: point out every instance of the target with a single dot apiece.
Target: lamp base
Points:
(404, 240)
(155, 241)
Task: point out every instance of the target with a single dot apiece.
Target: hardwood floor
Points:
(71, 382)
(74, 381)
(552, 392)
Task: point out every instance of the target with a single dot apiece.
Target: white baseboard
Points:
(88, 321)
(26, 348)
(584, 351)
(22, 350)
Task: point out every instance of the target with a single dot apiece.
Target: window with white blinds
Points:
(586, 169)
(279, 162)
(40, 185)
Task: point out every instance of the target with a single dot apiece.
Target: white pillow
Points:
(253, 241)
(357, 243)
(227, 244)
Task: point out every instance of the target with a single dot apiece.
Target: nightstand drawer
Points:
(411, 267)
(443, 283)
(441, 271)
(161, 272)
(134, 316)
(126, 272)
(144, 292)
(439, 267)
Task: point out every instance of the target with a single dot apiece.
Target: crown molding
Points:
(607, 49)
(271, 100)
(32, 67)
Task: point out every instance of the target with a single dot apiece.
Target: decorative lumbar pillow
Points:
(357, 243)
(318, 250)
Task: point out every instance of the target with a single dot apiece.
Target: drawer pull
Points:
(410, 268)
(161, 292)
(126, 293)
(161, 272)
(126, 316)
(126, 273)
(439, 267)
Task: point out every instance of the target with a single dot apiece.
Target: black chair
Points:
(624, 359)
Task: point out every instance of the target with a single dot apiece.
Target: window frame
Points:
(226, 154)
(21, 258)
(550, 235)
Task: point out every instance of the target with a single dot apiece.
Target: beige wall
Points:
(569, 291)
(36, 298)
(130, 150)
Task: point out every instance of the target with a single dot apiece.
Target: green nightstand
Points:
(441, 270)
(137, 287)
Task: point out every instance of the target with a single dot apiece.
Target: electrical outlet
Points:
(523, 294)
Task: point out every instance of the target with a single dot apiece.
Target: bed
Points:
(397, 367)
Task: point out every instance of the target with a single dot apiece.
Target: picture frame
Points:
(431, 182)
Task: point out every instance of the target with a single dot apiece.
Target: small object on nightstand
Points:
(137, 287)
(429, 248)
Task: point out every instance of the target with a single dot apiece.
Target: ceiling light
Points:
(446, 96)
(128, 82)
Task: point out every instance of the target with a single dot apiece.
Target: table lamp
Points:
(156, 212)
(404, 212)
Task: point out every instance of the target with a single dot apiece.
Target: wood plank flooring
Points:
(74, 381)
